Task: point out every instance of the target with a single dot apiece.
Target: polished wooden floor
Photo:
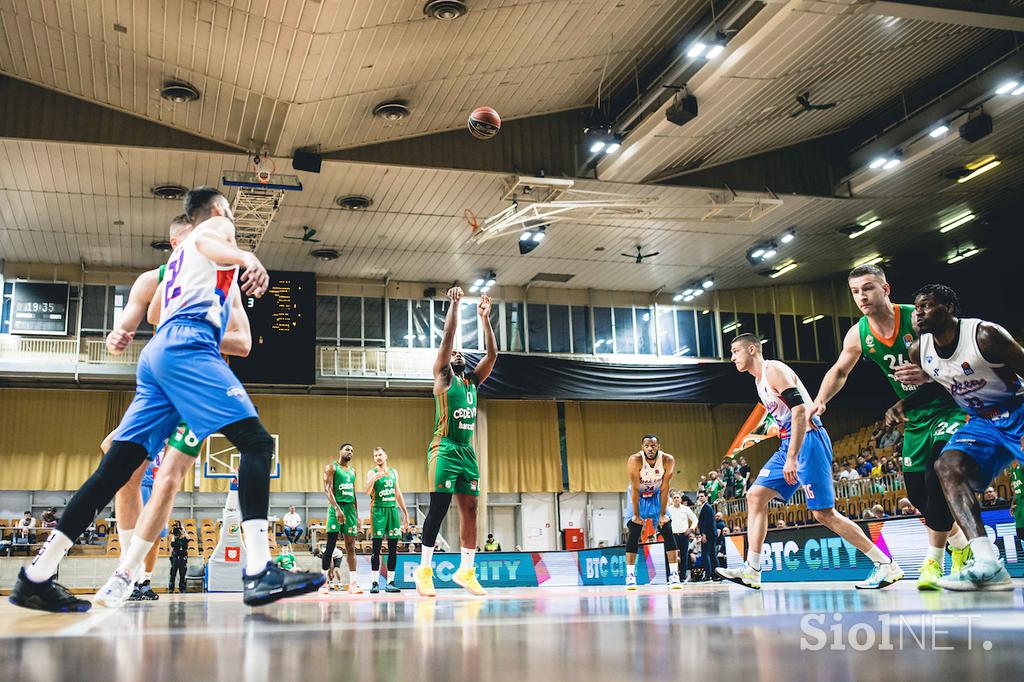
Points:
(714, 632)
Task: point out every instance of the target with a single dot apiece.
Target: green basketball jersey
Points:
(344, 484)
(384, 489)
(161, 273)
(455, 411)
(890, 353)
(1017, 486)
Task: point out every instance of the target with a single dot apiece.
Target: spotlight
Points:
(873, 259)
(708, 282)
(978, 171)
(479, 283)
(538, 235)
(687, 299)
(769, 254)
(714, 52)
(1006, 87)
(525, 237)
(878, 163)
(757, 253)
(677, 298)
(697, 49)
(1018, 91)
(864, 227)
(782, 271)
(962, 255)
(597, 146)
(939, 131)
(890, 164)
(531, 238)
(612, 148)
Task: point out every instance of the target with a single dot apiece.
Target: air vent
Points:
(392, 111)
(161, 245)
(551, 277)
(169, 191)
(179, 92)
(354, 202)
(324, 254)
(445, 10)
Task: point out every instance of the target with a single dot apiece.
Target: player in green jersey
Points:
(342, 514)
(452, 461)
(386, 502)
(1017, 487)
(883, 336)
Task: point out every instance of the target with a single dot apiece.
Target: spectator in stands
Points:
(491, 545)
(835, 471)
(876, 467)
(844, 473)
(744, 474)
(293, 529)
(863, 466)
(728, 474)
(721, 529)
(854, 473)
(989, 499)
(866, 514)
(905, 507)
(684, 521)
(24, 533)
(713, 488)
(49, 518)
(702, 485)
(878, 512)
(179, 558)
(889, 439)
(782, 524)
(286, 558)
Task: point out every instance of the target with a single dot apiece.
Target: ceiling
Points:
(290, 73)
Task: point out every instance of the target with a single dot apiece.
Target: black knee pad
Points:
(633, 537)
(668, 538)
(249, 436)
(392, 556)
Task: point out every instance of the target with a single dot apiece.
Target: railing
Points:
(28, 349)
(95, 351)
(844, 489)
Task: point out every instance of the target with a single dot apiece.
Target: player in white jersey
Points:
(981, 366)
(650, 476)
(804, 460)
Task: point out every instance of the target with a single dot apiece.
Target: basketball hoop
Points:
(470, 219)
(263, 167)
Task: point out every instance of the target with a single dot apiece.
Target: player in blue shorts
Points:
(981, 366)
(650, 477)
(803, 460)
(182, 377)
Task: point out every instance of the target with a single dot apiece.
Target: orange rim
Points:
(470, 219)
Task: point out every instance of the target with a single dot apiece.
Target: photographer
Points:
(179, 558)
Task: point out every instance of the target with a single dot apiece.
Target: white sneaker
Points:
(883, 575)
(744, 575)
(115, 592)
(673, 581)
(979, 575)
(631, 582)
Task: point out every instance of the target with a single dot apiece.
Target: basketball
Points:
(484, 123)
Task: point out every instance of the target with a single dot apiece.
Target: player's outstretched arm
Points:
(998, 347)
(484, 367)
(836, 376)
(237, 339)
(444, 351)
(131, 315)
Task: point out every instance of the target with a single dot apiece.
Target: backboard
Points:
(221, 458)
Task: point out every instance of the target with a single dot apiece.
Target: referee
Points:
(683, 521)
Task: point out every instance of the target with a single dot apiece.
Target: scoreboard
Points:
(39, 308)
(283, 323)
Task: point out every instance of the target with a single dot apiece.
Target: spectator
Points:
(989, 499)
(50, 518)
(24, 533)
(889, 439)
(744, 474)
(713, 488)
(876, 467)
(1017, 486)
(866, 514)
(293, 529)
(844, 473)
(878, 512)
(782, 524)
(702, 485)
(286, 559)
(905, 507)
(721, 529)
(855, 475)
(706, 528)
(835, 471)
(728, 473)
(179, 559)
(684, 521)
(863, 466)
(491, 545)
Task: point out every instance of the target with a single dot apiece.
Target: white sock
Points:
(958, 541)
(426, 556)
(124, 536)
(46, 562)
(878, 556)
(983, 548)
(630, 569)
(257, 545)
(754, 560)
(936, 553)
(352, 578)
(132, 559)
(147, 576)
(468, 555)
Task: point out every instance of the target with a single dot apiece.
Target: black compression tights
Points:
(392, 555)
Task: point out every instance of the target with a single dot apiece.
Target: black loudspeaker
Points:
(307, 161)
(976, 128)
(683, 110)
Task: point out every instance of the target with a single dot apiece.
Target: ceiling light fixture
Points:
(788, 236)
(873, 259)
(484, 282)
(531, 238)
(697, 49)
(939, 131)
(783, 270)
(962, 255)
(865, 227)
(810, 319)
(878, 162)
(956, 222)
(1018, 91)
(890, 164)
(708, 282)
(975, 173)
(1006, 87)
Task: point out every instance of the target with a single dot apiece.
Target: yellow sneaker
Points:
(960, 558)
(425, 581)
(466, 577)
(931, 572)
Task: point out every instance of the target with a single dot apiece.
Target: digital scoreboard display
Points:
(39, 308)
(283, 323)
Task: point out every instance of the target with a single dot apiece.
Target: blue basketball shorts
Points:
(992, 441)
(813, 473)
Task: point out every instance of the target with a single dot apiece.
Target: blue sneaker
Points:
(979, 575)
(881, 576)
(273, 583)
(631, 582)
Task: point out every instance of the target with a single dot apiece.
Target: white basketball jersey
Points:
(774, 404)
(195, 287)
(651, 475)
(977, 385)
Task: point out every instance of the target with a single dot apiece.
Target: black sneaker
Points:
(136, 593)
(390, 588)
(273, 583)
(375, 588)
(45, 596)
(146, 592)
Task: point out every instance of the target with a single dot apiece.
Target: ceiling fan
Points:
(805, 102)
(307, 236)
(639, 255)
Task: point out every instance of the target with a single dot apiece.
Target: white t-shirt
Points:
(682, 518)
(292, 520)
(844, 475)
(854, 475)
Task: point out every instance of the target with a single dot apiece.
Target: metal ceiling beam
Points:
(1000, 16)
